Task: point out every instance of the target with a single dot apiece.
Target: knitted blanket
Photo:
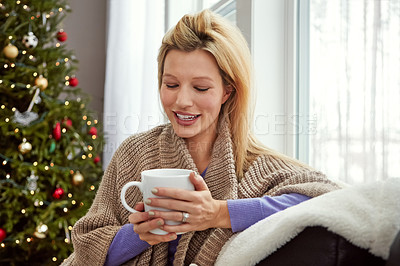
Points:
(367, 215)
(160, 147)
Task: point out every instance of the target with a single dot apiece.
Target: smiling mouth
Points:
(186, 117)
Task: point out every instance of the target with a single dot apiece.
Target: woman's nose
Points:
(184, 97)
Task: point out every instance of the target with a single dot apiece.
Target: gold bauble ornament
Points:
(77, 179)
(41, 231)
(24, 147)
(10, 51)
(41, 82)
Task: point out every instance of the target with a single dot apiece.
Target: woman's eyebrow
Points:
(168, 75)
(204, 77)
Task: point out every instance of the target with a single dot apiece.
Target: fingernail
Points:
(159, 223)
(151, 213)
(154, 191)
(172, 237)
(147, 201)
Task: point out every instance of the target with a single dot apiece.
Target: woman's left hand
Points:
(204, 212)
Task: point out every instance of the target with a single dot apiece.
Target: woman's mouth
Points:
(185, 119)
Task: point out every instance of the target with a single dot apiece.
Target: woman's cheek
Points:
(210, 103)
(165, 98)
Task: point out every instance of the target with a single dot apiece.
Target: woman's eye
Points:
(171, 86)
(201, 89)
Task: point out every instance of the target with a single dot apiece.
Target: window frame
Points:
(278, 21)
(303, 78)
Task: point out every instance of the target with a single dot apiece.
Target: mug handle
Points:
(123, 191)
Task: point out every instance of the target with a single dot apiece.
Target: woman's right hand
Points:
(143, 223)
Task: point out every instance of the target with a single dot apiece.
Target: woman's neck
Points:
(200, 152)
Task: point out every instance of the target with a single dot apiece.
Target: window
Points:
(353, 90)
(175, 9)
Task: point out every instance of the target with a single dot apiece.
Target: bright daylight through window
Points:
(354, 88)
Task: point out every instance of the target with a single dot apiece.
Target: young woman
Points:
(205, 89)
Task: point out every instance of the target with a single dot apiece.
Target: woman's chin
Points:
(184, 132)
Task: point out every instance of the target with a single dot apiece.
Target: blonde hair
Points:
(211, 32)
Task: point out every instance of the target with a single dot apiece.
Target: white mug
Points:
(175, 178)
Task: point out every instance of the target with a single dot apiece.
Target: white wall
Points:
(86, 29)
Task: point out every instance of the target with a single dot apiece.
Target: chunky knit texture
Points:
(162, 148)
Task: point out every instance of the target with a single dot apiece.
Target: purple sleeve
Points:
(246, 212)
(125, 246)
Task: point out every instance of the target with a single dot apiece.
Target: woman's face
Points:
(192, 93)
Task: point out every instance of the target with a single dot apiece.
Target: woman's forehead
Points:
(199, 64)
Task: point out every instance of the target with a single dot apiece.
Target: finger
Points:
(182, 194)
(175, 193)
(139, 206)
(182, 228)
(138, 217)
(170, 204)
(171, 216)
(145, 227)
(154, 239)
(198, 182)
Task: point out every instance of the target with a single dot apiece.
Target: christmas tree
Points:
(50, 144)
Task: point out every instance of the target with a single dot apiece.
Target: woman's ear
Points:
(227, 93)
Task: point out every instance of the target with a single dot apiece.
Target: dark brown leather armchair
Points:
(320, 247)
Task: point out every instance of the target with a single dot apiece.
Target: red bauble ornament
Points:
(96, 159)
(93, 131)
(57, 131)
(58, 193)
(67, 122)
(3, 234)
(62, 36)
(73, 82)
